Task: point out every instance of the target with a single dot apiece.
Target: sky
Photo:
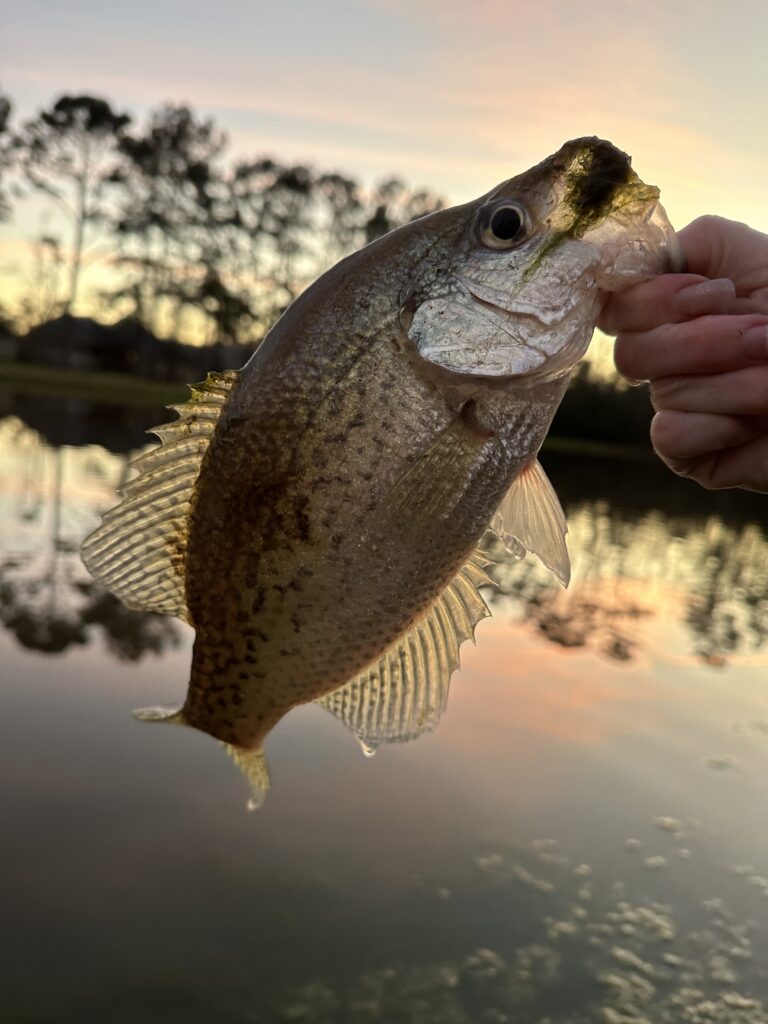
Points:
(448, 94)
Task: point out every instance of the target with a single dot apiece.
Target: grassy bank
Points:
(117, 388)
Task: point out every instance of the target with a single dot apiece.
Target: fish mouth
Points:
(632, 250)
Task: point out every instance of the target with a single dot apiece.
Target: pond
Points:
(583, 838)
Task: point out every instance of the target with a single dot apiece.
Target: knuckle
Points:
(665, 392)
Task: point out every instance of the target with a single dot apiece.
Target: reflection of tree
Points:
(626, 565)
(728, 610)
(583, 622)
(129, 634)
(46, 599)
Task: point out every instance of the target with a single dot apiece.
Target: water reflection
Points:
(49, 499)
(631, 573)
(413, 887)
(635, 569)
(595, 951)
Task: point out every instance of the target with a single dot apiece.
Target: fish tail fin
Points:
(253, 765)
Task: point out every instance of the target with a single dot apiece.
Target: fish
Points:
(317, 516)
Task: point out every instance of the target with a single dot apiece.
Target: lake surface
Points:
(583, 839)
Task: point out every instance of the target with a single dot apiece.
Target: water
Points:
(584, 838)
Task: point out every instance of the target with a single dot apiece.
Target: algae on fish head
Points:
(316, 517)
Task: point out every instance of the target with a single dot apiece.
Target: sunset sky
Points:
(448, 94)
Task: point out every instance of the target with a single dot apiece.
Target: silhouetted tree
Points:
(392, 204)
(166, 182)
(67, 152)
(42, 301)
(203, 248)
(345, 212)
(5, 152)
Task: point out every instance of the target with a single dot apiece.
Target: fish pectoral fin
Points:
(253, 765)
(403, 694)
(531, 517)
(139, 551)
(433, 483)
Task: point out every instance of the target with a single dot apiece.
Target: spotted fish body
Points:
(315, 517)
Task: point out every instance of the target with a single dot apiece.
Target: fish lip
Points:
(508, 314)
(466, 284)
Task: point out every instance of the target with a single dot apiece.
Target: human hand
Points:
(701, 339)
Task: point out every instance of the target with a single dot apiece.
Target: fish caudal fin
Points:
(531, 518)
(253, 765)
(139, 551)
(403, 694)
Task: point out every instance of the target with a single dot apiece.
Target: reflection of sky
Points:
(133, 838)
(132, 874)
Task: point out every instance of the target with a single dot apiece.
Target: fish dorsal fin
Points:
(404, 693)
(139, 551)
(531, 517)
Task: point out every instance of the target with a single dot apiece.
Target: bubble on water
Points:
(523, 875)
(484, 963)
(560, 929)
(741, 869)
(632, 845)
(583, 871)
(667, 824)
(655, 863)
(543, 844)
(443, 893)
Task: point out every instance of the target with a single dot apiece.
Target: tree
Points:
(166, 183)
(67, 152)
(5, 152)
(392, 204)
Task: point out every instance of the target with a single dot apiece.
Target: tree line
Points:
(197, 243)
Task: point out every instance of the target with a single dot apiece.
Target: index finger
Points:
(668, 299)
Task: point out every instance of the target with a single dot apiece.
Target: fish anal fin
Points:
(531, 517)
(139, 551)
(403, 694)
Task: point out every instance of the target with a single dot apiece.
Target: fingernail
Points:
(706, 297)
(754, 342)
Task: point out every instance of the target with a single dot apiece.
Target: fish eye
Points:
(503, 225)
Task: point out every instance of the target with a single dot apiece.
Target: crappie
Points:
(316, 516)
